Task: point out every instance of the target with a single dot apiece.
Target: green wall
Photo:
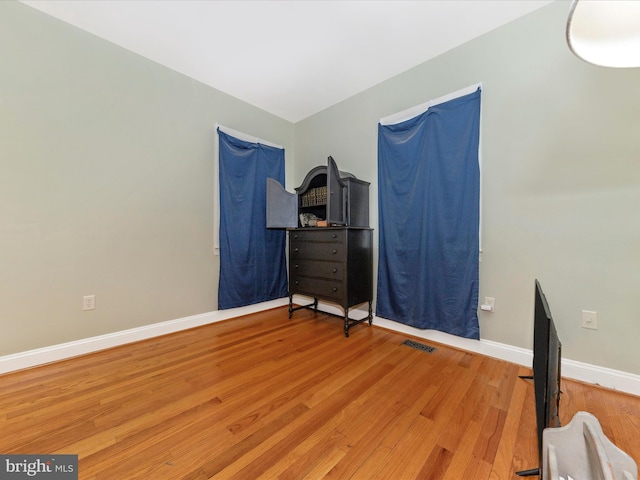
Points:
(106, 184)
(561, 178)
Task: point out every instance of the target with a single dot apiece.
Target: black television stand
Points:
(534, 472)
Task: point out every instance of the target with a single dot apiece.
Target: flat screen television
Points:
(547, 351)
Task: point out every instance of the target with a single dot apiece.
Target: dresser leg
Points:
(290, 305)
(346, 322)
(315, 304)
(370, 314)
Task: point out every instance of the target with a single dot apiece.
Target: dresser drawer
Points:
(317, 287)
(317, 251)
(317, 235)
(311, 268)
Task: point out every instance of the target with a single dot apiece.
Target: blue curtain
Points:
(429, 210)
(252, 257)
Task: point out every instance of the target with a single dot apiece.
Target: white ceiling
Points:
(290, 58)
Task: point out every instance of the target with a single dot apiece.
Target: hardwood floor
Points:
(263, 396)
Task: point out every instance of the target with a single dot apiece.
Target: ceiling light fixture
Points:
(605, 32)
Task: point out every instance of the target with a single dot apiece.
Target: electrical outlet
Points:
(489, 304)
(89, 302)
(490, 301)
(589, 319)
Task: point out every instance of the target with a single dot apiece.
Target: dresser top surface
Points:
(321, 229)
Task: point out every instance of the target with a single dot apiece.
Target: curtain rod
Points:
(423, 107)
(246, 137)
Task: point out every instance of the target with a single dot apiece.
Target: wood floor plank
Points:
(410, 454)
(502, 464)
(463, 458)
(356, 420)
(470, 407)
(324, 465)
(269, 451)
(525, 449)
(265, 396)
(491, 432)
(436, 465)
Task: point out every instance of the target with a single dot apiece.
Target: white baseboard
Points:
(41, 356)
(584, 372)
(606, 377)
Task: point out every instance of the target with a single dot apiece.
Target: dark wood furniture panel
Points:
(326, 195)
(333, 264)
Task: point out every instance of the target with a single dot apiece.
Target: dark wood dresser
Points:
(331, 252)
(334, 264)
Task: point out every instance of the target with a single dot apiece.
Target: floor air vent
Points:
(419, 346)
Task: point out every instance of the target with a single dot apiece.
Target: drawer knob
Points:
(297, 282)
(295, 250)
(297, 266)
(334, 235)
(335, 251)
(335, 270)
(335, 289)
